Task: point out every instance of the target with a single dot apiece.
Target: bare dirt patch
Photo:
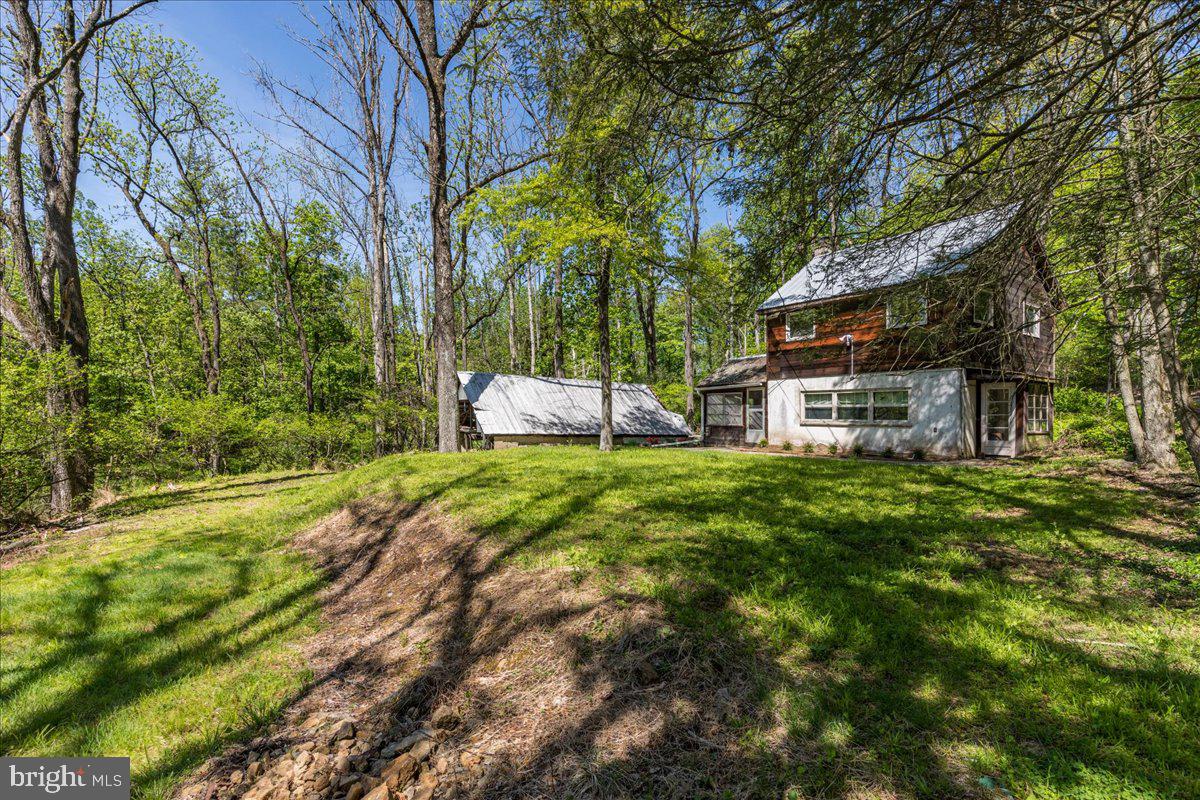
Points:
(445, 670)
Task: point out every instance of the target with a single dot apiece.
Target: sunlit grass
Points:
(921, 625)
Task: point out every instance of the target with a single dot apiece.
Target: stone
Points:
(342, 764)
(380, 792)
(305, 746)
(405, 744)
(355, 791)
(442, 765)
(468, 760)
(421, 750)
(342, 729)
(236, 777)
(254, 770)
(321, 781)
(422, 792)
(347, 780)
(285, 766)
(646, 671)
(314, 721)
(444, 716)
(400, 771)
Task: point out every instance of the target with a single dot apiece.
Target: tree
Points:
(47, 88)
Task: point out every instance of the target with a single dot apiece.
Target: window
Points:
(1033, 320)
(800, 325)
(907, 310)
(854, 405)
(723, 409)
(981, 312)
(1037, 410)
(818, 405)
(891, 406)
(883, 405)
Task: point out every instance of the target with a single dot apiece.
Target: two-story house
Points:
(939, 341)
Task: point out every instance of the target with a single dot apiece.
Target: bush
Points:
(1092, 420)
(833, 449)
(787, 446)
(858, 450)
(808, 448)
(889, 452)
(918, 454)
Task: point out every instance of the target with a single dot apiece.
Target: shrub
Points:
(833, 449)
(918, 454)
(762, 442)
(787, 445)
(808, 448)
(889, 452)
(858, 450)
(1091, 420)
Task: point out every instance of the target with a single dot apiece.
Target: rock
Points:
(347, 780)
(422, 792)
(304, 746)
(322, 780)
(442, 765)
(380, 792)
(342, 764)
(646, 671)
(314, 721)
(355, 791)
(444, 716)
(405, 744)
(236, 777)
(285, 767)
(400, 771)
(421, 750)
(342, 729)
(469, 761)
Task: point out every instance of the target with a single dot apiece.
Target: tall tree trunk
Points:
(533, 337)
(603, 299)
(512, 328)
(1159, 425)
(1119, 343)
(689, 361)
(558, 319)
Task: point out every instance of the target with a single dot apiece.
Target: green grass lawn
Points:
(916, 623)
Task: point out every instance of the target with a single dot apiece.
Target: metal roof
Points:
(936, 250)
(737, 372)
(521, 405)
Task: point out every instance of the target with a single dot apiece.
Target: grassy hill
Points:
(914, 630)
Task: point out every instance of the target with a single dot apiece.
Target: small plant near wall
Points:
(762, 442)
(918, 454)
(889, 453)
(808, 448)
(787, 446)
(833, 449)
(858, 450)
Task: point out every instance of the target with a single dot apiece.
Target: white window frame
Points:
(1032, 425)
(986, 299)
(834, 406)
(790, 336)
(892, 322)
(1031, 329)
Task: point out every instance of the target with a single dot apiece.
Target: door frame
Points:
(1009, 446)
(754, 435)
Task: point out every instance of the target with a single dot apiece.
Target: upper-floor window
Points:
(981, 310)
(1033, 320)
(800, 325)
(907, 310)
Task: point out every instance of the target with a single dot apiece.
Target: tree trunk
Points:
(603, 292)
(1159, 423)
(558, 319)
(1119, 342)
(512, 328)
(689, 364)
(533, 338)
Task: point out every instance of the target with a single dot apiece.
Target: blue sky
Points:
(232, 36)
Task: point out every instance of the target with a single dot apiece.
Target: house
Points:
(510, 410)
(938, 341)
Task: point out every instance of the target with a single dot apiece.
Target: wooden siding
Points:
(949, 339)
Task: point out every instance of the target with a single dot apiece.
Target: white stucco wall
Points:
(936, 421)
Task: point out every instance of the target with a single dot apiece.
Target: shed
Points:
(509, 410)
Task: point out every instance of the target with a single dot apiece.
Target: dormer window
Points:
(1033, 320)
(907, 310)
(800, 325)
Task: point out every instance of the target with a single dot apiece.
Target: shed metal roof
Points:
(936, 250)
(737, 372)
(521, 405)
